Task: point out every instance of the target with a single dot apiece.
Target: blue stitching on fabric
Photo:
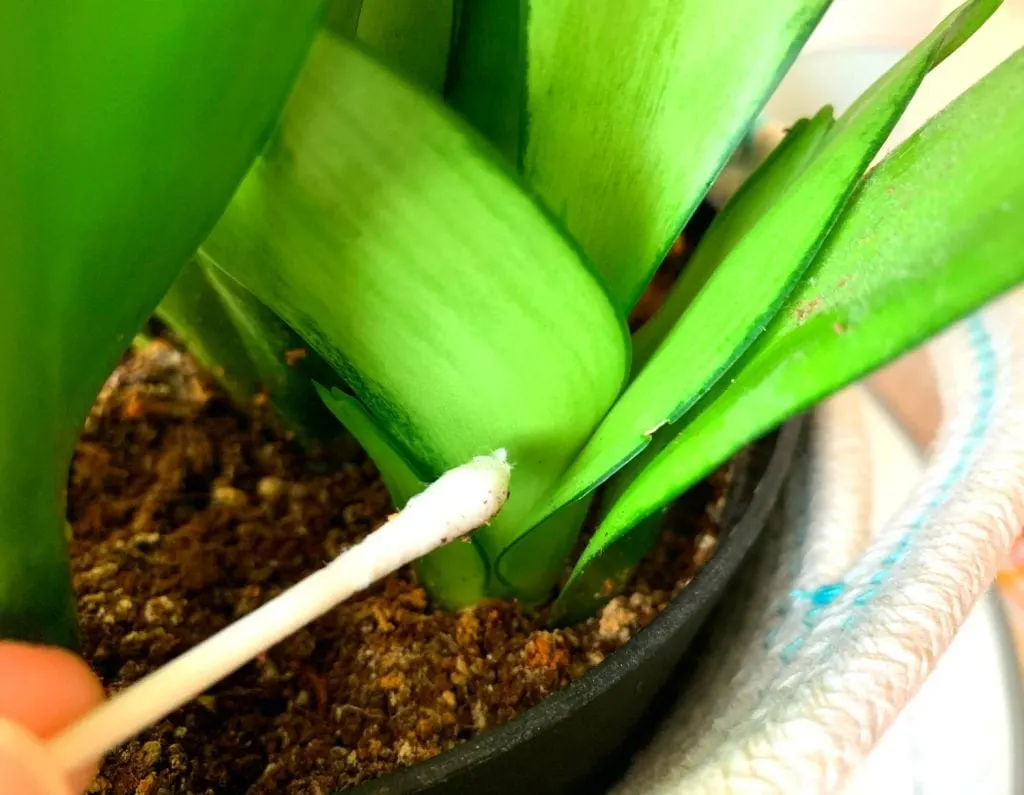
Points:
(821, 597)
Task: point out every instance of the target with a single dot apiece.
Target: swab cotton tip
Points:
(457, 503)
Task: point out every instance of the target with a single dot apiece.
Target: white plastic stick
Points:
(458, 502)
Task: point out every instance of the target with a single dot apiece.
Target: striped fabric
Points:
(829, 632)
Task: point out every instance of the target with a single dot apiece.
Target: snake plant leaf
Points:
(249, 349)
(458, 563)
(632, 108)
(753, 280)
(412, 36)
(606, 575)
(234, 335)
(388, 235)
(341, 17)
(127, 127)
(752, 201)
(285, 368)
(613, 115)
(487, 70)
(931, 235)
(401, 480)
(193, 310)
(251, 352)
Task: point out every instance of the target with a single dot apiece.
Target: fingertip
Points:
(25, 766)
(43, 688)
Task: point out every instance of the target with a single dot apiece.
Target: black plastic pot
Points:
(557, 747)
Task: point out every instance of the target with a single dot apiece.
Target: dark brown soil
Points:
(188, 514)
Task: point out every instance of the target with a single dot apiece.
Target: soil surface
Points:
(188, 514)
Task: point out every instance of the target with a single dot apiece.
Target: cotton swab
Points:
(458, 502)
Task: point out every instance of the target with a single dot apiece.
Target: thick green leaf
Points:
(379, 228)
(462, 566)
(401, 481)
(606, 576)
(754, 278)
(341, 17)
(633, 107)
(751, 202)
(248, 348)
(286, 381)
(193, 310)
(932, 234)
(226, 327)
(487, 74)
(412, 36)
(126, 128)
(536, 561)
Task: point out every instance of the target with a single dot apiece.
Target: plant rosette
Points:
(424, 229)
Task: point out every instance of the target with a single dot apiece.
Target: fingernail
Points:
(26, 767)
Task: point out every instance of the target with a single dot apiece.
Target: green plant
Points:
(456, 211)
